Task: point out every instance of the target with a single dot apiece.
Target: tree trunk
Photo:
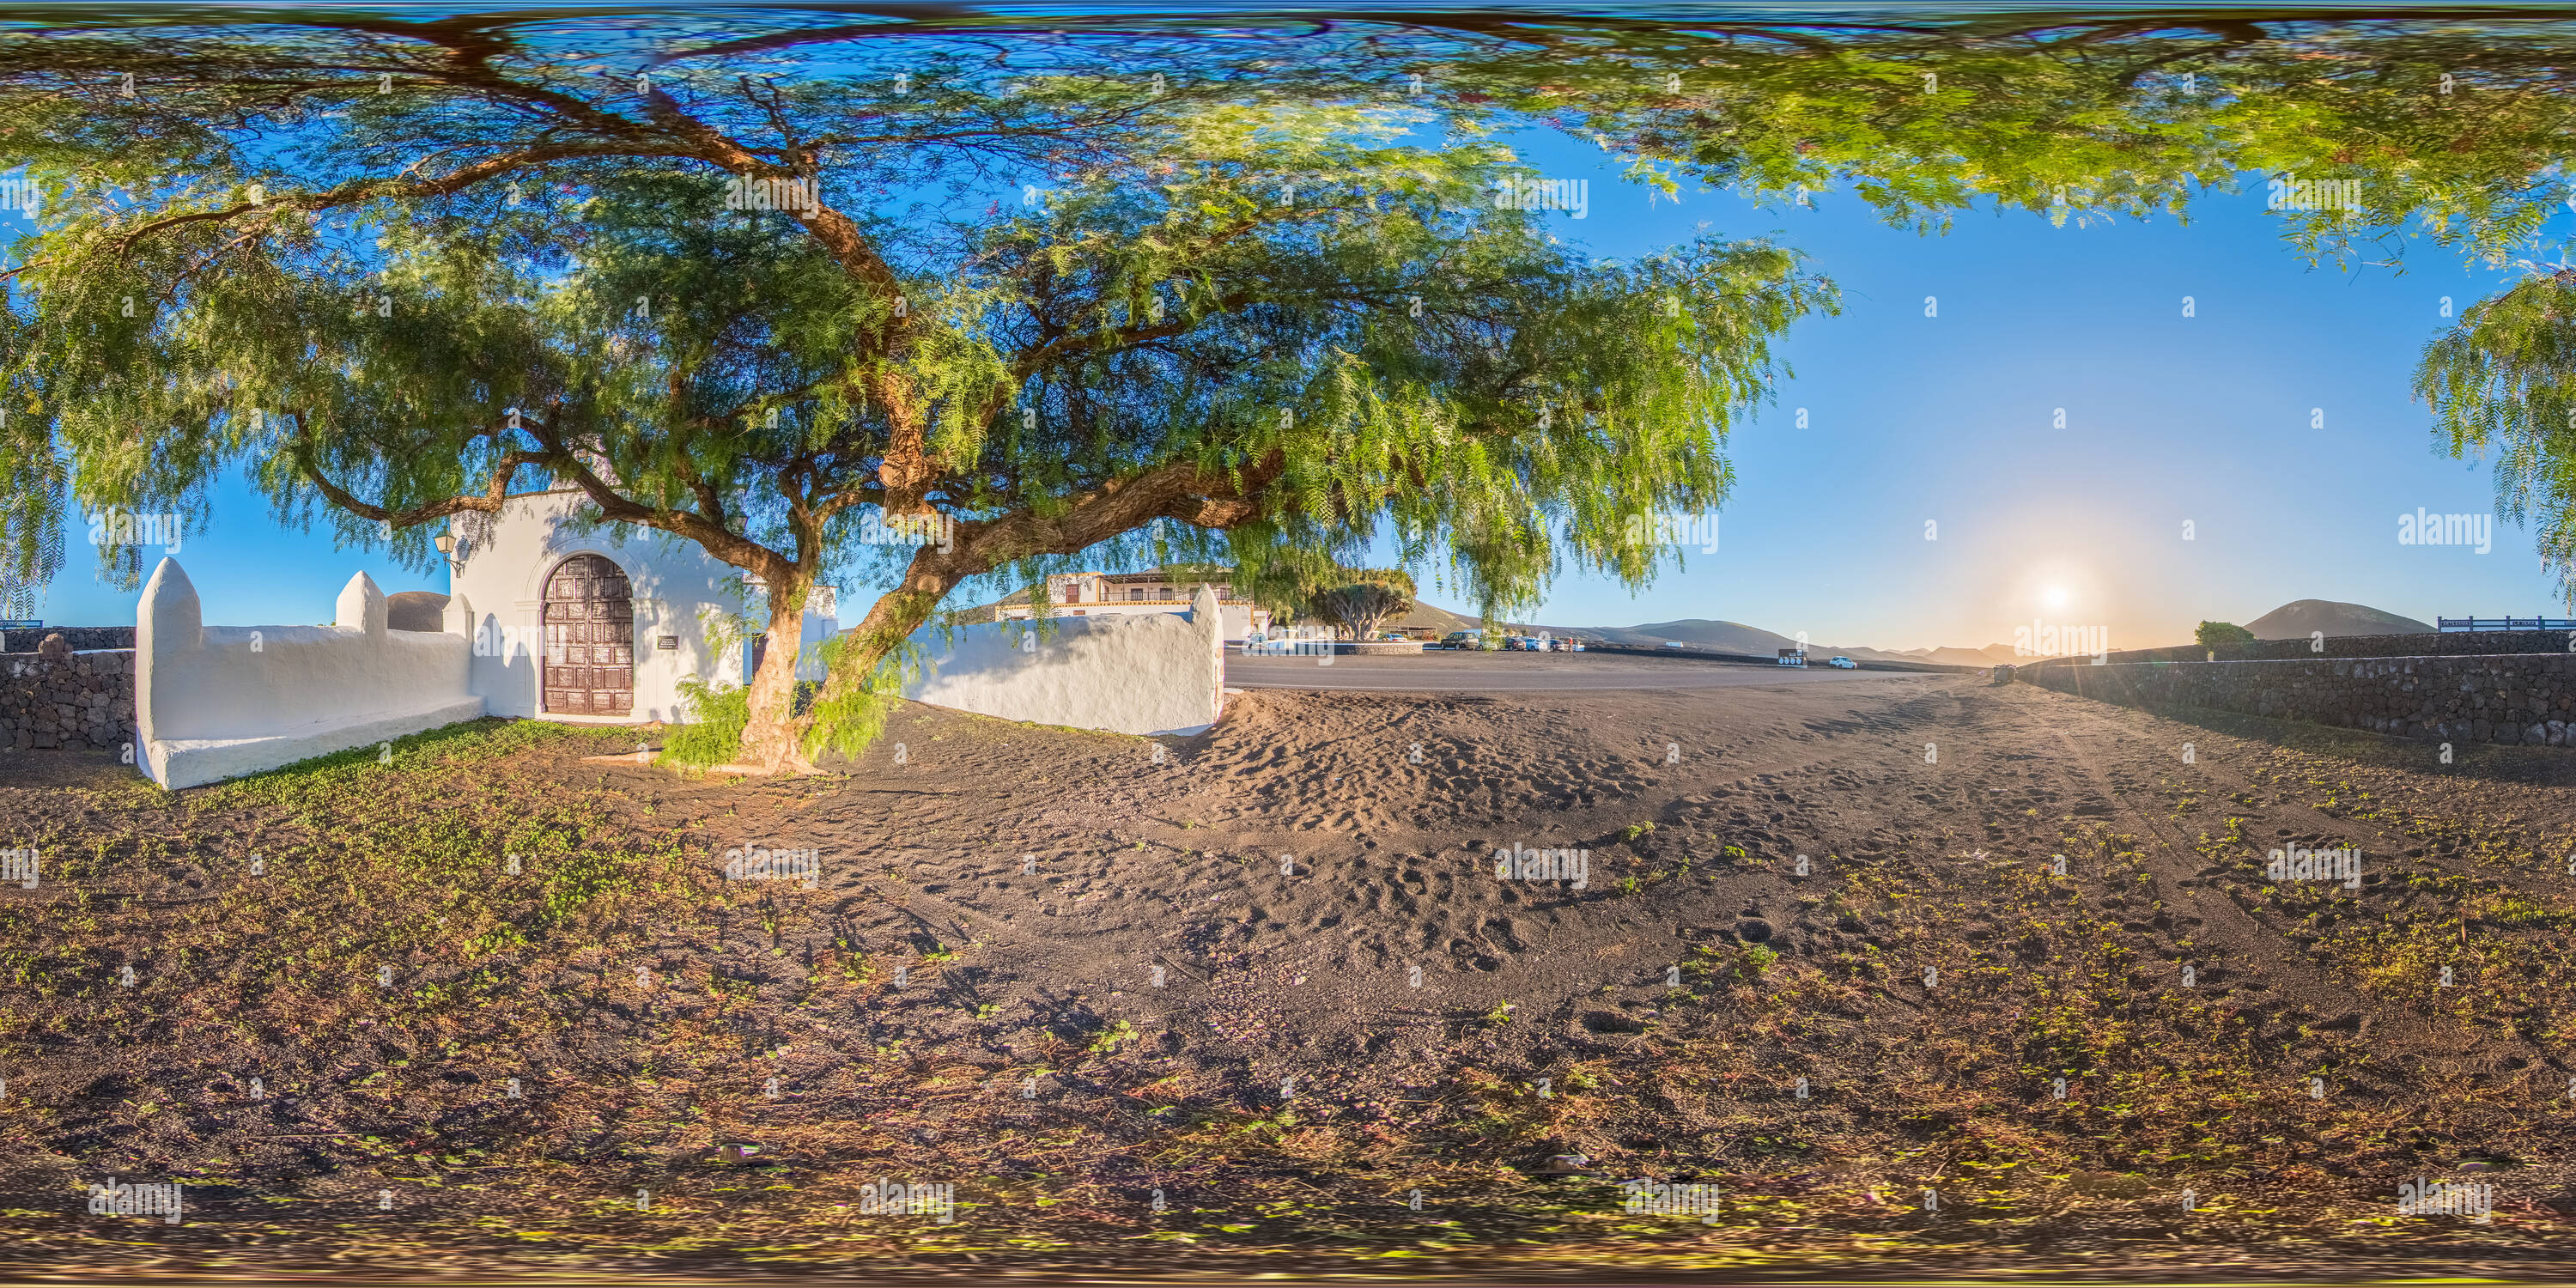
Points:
(1217, 500)
(890, 621)
(769, 739)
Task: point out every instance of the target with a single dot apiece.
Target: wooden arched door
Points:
(590, 639)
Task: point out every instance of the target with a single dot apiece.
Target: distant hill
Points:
(2301, 618)
(1952, 656)
(1432, 617)
(1735, 637)
(1698, 633)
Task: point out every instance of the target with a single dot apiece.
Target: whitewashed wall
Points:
(217, 702)
(507, 561)
(1140, 673)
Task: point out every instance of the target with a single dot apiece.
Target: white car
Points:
(1843, 664)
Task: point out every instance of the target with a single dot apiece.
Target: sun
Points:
(2055, 596)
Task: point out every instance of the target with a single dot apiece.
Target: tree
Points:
(2502, 383)
(1033, 294)
(1362, 605)
(2213, 634)
(1258, 315)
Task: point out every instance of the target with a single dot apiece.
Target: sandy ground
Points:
(1300, 909)
(1292, 869)
(1446, 671)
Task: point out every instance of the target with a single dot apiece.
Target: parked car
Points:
(1675, 644)
(1463, 639)
(1843, 663)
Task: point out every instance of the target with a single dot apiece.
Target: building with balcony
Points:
(1155, 590)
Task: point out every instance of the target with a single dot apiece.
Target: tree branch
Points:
(368, 189)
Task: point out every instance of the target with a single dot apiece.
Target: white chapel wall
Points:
(672, 580)
(1139, 673)
(217, 702)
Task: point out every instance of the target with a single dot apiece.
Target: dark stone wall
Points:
(2526, 699)
(2419, 644)
(82, 638)
(84, 702)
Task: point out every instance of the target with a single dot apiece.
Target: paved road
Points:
(1463, 672)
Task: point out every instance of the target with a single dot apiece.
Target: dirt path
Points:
(1278, 954)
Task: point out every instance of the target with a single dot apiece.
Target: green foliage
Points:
(713, 716)
(848, 723)
(389, 336)
(2502, 385)
(2213, 634)
(524, 274)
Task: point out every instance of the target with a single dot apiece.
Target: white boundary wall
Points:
(218, 702)
(1139, 673)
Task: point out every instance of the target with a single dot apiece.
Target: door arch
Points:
(590, 639)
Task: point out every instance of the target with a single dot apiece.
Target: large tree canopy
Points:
(1252, 306)
(787, 291)
(2502, 385)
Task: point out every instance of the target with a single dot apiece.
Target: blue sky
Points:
(2169, 419)
(1946, 419)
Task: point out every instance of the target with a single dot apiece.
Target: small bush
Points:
(851, 723)
(712, 720)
